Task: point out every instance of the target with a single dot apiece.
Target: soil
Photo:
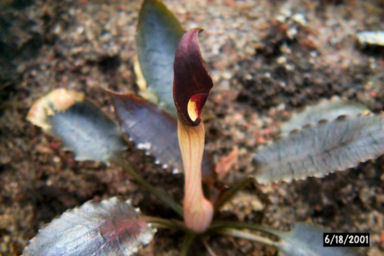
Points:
(267, 59)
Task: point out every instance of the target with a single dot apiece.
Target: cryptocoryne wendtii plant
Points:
(168, 55)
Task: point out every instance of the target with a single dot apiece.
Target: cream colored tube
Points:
(198, 211)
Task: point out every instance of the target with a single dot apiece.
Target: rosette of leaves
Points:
(169, 56)
(110, 227)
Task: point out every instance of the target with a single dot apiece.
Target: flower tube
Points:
(191, 87)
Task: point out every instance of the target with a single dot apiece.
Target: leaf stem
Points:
(217, 225)
(188, 239)
(231, 192)
(166, 223)
(160, 195)
(246, 235)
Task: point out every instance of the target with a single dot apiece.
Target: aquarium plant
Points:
(166, 120)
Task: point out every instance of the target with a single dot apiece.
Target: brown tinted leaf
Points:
(152, 129)
(111, 227)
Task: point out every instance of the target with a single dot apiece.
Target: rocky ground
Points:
(267, 59)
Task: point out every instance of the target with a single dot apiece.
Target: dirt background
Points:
(267, 59)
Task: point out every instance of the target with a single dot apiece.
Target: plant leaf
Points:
(318, 150)
(57, 100)
(83, 127)
(324, 110)
(111, 227)
(153, 130)
(192, 83)
(307, 240)
(158, 34)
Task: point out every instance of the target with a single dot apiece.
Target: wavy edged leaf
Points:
(111, 227)
(307, 240)
(191, 83)
(318, 150)
(153, 130)
(83, 127)
(158, 34)
(324, 110)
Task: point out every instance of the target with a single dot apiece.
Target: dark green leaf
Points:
(153, 130)
(111, 227)
(324, 110)
(318, 150)
(158, 34)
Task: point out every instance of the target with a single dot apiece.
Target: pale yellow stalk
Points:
(198, 211)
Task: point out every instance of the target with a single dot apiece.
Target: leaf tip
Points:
(58, 100)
